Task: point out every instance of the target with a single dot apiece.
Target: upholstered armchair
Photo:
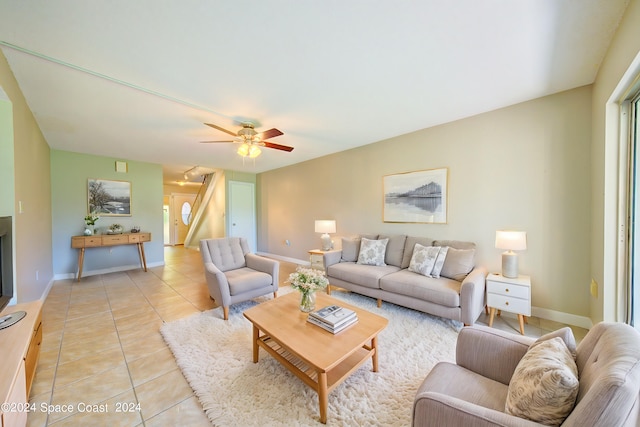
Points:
(234, 274)
(476, 390)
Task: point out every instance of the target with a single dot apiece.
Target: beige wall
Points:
(611, 78)
(32, 226)
(524, 167)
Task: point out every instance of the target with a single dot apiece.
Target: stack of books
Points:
(333, 318)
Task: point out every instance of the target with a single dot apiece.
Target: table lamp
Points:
(325, 226)
(511, 241)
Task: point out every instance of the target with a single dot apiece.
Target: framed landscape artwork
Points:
(109, 198)
(419, 196)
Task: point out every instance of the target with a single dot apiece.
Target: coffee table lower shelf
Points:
(320, 381)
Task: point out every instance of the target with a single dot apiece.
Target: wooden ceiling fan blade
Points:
(277, 146)
(271, 133)
(221, 129)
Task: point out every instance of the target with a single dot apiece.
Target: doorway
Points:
(242, 212)
(179, 218)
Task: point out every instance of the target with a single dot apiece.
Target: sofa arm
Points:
(437, 409)
(266, 265)
(217, 284)
(331, 257)
(472, 295)
(490, 352)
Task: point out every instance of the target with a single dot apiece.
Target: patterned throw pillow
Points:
(567, 336)
(423, 259)
(372, 251)
(544, 385)
(437, 267)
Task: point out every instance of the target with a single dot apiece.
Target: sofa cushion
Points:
(372, 251)
(458, 263)
(246, 279)
(350, 249)
(464, 385)
(423, 259)
(395, 249)
(441, 291)
(363, 275)
(409, 244)
(456, 244)
(226, 254)
(545, 384)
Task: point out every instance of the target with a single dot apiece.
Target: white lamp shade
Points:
(325, 226)
(511, 240)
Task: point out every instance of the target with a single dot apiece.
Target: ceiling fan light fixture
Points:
(254, 151)
(243, 150)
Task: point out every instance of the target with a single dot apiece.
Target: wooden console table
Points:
(19, 354)
(83, 242)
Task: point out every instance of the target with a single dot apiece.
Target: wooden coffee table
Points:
(319, 358)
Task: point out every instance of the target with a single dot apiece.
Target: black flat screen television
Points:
(6, 261)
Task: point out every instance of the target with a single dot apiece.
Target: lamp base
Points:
(510, 264)
(326, 242)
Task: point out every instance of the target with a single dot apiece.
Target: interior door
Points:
(242, 212)
(182, 204)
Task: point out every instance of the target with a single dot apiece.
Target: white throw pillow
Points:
(544, 385)
(423, 259)
(372, 251)
(437, 267)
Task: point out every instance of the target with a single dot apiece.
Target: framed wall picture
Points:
(109, 198)
(419, 196)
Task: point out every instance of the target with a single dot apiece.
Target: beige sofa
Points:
(458, 294)
(605, 381)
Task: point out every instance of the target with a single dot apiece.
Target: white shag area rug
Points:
(215, 357)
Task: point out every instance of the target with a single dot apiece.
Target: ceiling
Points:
(137, 79)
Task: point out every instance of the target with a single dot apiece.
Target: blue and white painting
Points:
(109, 198)
(416, 197)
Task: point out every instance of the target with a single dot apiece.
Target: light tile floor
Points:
(102, 347)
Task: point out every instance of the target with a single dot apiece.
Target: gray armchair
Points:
(234, 274)
(473, 391)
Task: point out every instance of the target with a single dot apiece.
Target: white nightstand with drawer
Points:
(316, 257)
(509, 294)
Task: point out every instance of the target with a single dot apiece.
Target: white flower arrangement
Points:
(308, 280)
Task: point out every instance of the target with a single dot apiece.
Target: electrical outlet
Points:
(37, 275)
(594, 288)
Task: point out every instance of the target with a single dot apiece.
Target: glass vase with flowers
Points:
(307, 281)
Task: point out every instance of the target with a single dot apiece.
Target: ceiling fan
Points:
(251, 139)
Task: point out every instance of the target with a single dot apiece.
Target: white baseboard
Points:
(86, 273)
(561, 317)
(305, 262)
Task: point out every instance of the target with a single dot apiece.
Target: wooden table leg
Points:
(80, 262)
(521, 321)
(374, 357)
(323, 396)
(256, 347)
(143, 259)
(492, 312)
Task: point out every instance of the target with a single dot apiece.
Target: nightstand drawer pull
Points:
(506, 303)
(506, 290)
